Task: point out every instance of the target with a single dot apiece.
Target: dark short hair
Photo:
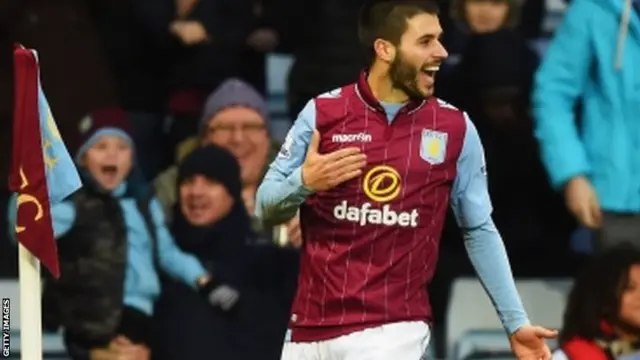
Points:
(387, 19)
(596, 294)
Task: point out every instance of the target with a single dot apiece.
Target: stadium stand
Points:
(473, 329)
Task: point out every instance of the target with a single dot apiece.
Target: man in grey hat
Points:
(235, 117)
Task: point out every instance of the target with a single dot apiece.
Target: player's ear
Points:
(385, 50)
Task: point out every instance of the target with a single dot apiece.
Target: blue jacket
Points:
(142, 284)
(594, 61)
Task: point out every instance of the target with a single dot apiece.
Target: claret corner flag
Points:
(42, 171)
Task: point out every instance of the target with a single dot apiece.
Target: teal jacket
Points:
(593, 62)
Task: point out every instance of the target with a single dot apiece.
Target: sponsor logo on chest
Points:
(362, 137)
(382, 184)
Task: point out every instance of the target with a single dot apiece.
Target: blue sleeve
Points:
(175, 262)
(63, 215)
(470, 196)
(559, 82)
(472, 207)
(489, 258)
(282, 192)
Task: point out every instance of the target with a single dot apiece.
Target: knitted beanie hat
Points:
(233, 92)
(216, 164)
(103, 122)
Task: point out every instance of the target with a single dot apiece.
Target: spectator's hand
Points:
(120, 348)
(582, 201)
(528, 343)
(293, 231)
(263, 40)
(189, 32)
(321, 172)
(224, 296)
(218, 295)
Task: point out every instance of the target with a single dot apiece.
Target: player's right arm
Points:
(282, 189)
(300, 169)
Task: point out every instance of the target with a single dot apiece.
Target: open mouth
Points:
(198, 208)
(109, 170)
(431, 70)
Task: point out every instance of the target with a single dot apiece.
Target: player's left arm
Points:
(472, 207)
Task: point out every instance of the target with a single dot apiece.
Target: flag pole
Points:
(30, 306)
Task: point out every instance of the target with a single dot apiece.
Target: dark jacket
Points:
(87, 299)
(138, 57)
(254, 328)
(203, 66)
(530, 215)
(323, 37)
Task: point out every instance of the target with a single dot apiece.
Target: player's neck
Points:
(382, 87)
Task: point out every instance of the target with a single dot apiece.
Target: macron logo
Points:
(346, 138)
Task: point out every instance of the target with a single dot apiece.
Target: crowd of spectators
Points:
(177, 88)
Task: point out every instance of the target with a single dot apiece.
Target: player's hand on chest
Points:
(394, 149)
(324, 171)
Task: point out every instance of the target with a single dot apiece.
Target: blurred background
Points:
(174, 67)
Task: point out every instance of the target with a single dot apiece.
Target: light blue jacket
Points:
(142, 284)
(594, 61)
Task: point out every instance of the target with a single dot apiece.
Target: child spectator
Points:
(602, 318)
(112, 245)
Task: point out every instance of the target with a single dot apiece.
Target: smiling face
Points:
(243, 132)
(417, 57)
(109, 161)
(204, 201)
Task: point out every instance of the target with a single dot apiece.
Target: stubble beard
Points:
(404, 77)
